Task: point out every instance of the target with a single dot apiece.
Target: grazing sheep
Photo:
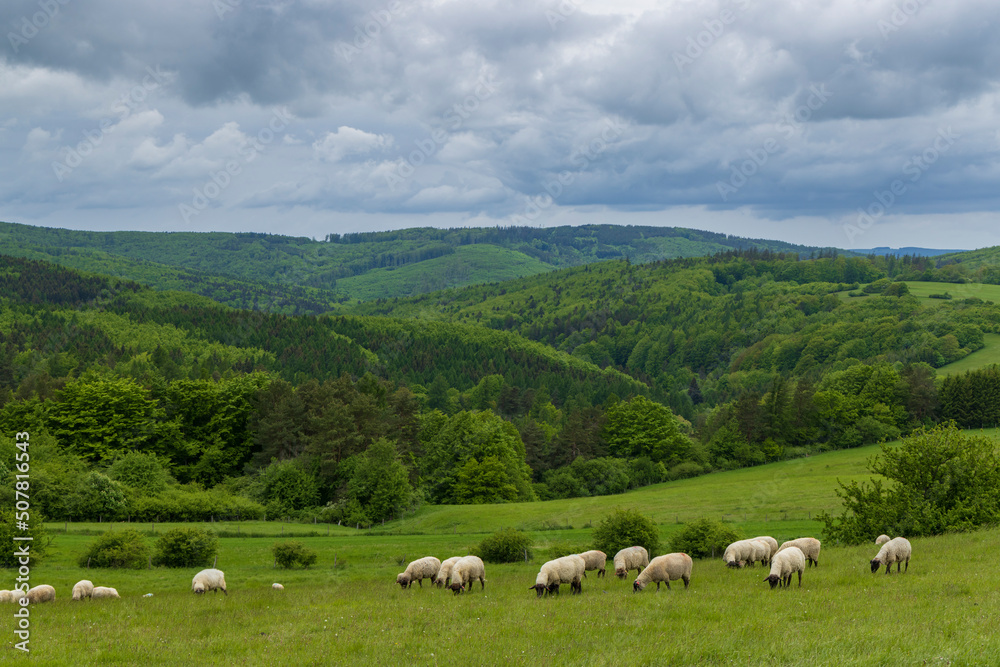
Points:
(111, 593)
(738, 554)
(630, 558)
(896, 550)
(418, 570)
(771, 543)
(277, 587)
(8, 596)
(786, 562)
(881, 539)
(664, 569)
(566, 570)
(595, 560)
(760, 551)
(809, 546)
(465, 572)
(41, 593)
(83, 589)
(209, 580)
(443, 577)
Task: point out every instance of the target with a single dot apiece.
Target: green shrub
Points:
(505, 546)
(290, 554)
(626, 528)
(186, 547)
(122, 549)
(704, 538)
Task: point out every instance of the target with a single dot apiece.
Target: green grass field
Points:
(923, 290)
(989, 354)
(348, 610)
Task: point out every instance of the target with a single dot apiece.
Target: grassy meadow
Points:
(347, 609)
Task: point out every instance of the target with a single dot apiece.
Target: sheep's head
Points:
(734, 564)
(538, 588)
(773, 579)
(457, 588)
(403, 579)
(198, 587)
(876, 564)
(637, 586)
(621, 572)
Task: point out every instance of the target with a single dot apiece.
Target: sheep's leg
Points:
(888, 567)
(668, 584)
(687, 580)
(482, 584)
(421, 582)
(800, 578)
(907, 569)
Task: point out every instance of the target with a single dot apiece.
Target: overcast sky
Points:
(853, 123)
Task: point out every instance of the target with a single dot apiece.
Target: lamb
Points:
(111, 593)
(809, 546)
(277, 587)
(566, 570)
(881, 539)
(738, 554)
(786, 562)
(209, 580)
(465, 572)
(630, 558)
(444, 574)
(664, 569)
(895, 551)
(418, 570)
(595, 560)
(41, 593)
(83, 589)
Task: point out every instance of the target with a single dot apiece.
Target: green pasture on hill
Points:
(923, 290)
(987, 355)
(347, 610)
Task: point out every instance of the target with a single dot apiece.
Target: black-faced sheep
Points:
(664, 569)
(565, 570)
(785, 563)
(738, 554)
(630, 558)
(418, 570)
(465, 572)
(443, 577)
(896, 550)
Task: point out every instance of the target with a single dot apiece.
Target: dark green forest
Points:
(589, 380)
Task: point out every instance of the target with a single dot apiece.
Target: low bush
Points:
(125, 549)
(626, 528)
(505, 546)
(704, 538)
(290, 554)
(186, 547)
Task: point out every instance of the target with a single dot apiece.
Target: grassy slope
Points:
(957, 290)
(989, 354)
(469, 265)
(942, 611)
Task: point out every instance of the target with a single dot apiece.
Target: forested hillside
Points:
(586, 381)
(300, 275)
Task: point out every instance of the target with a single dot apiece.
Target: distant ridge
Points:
(908, 250)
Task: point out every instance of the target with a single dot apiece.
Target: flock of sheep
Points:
(790, 558)
(204, 581)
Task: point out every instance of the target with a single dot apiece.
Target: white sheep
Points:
(418, 570)
(760, 551)
(738, 554)
(896, 550)
(465, 572)
(810, 548)
(277, 587)
(83, 589)
(664, 569)
(771, 543)
(566, 570)
(784, 564)
(630, 558)
(41, 593)
(8, 596)
(881, 539)
(595, 560)
(209, 580)
(443, 577)
(101, 592)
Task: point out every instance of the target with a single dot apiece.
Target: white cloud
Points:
(348, 141)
